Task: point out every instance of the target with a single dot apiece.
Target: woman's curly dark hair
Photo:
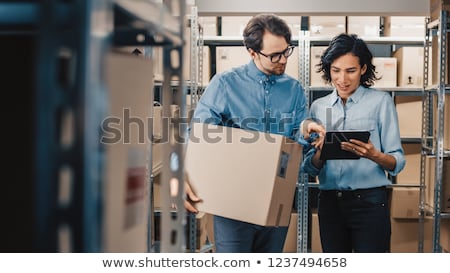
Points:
(341, 45)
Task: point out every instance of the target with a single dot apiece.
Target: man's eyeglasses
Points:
(276, 57)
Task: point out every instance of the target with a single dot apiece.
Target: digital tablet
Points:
(331, 148)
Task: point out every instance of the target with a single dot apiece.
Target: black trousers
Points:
(354, 221)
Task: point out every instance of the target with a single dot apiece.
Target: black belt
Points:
(350, 193)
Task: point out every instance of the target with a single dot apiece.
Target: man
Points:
(256, 96)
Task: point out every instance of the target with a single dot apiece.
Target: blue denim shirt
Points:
(366, 109)
(246, 98)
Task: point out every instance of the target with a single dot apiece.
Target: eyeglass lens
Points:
(277, 56)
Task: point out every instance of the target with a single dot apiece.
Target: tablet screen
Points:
(331, 148)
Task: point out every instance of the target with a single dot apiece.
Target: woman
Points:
(353, 206)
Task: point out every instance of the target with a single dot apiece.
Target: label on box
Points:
(135, 188)
(282, 168)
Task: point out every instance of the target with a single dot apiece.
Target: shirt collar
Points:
(355, 97)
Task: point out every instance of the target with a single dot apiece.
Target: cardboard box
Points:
(445, 235)
(290, 245)
(430, 176)
(244, 175)
(409, 66)
(316, 245)
(234, 25)
(208, 25)
(405, 203)
(386, 69)
(315, 77)
(364, 26)
(436, 6)
(326, 26)
(404, 26)
(231, 56)
(130, 91)
(405, 235)
(410, 175)
(409, 111)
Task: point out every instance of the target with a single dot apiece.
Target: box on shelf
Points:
(409, 66)
(234, 25)
(326, 26)
(404, 26)
(386, 69)
(315, 77)
(127, 159)
(294, 23)
(208, 25)
(430, 176)
(244, 175)
(410, 175)
(229, 57)
(405, 203)
(405, 238)
(290, 244)
(364, 26)
(316, 245)
(409, 111)
(445, 235)
(436, 6)
(446, 121)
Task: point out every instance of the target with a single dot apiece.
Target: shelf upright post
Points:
(302, 185)
(70, 105)
(439, 138)
(424, 134)
(193, 90)
(173, 215)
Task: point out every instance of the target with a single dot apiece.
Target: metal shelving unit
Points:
(433, 138)
(70, 102)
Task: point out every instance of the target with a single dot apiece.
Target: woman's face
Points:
(346, 74)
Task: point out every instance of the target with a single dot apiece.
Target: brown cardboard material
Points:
(130, 90)
(410, 175)
(244, 175)
(409, 66)
(386, 70)
(436, 6)
(405, 236)
(290, 245)
(405, 203)
(409, 111)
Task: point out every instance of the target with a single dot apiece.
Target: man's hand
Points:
(191, 198)
(314, 130)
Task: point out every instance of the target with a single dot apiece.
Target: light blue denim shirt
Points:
(246, 98)
(366, 109)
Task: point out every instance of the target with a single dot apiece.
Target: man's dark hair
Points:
(341, 45)
(253, 32)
